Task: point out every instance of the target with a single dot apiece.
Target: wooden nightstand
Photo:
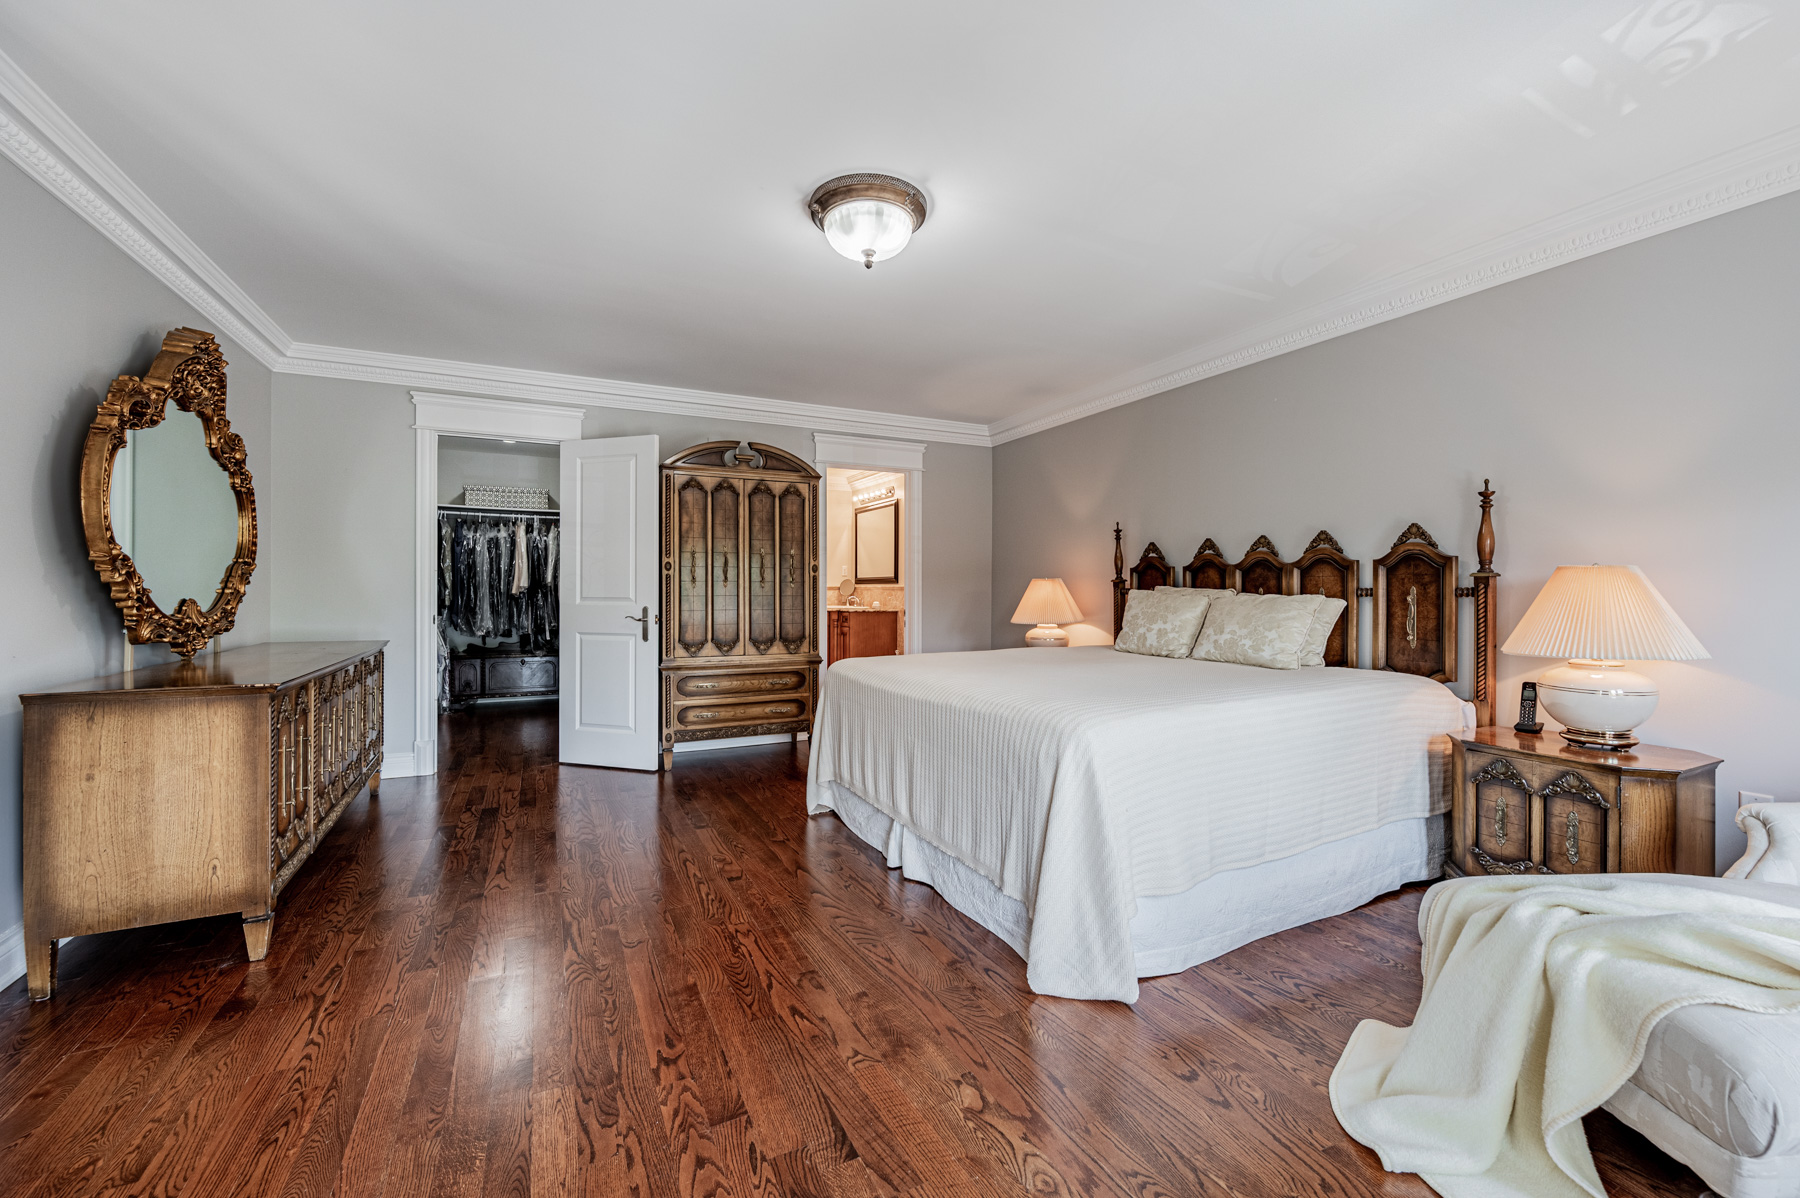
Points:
(1538, 805)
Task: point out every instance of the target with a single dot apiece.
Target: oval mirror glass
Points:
(173, 510)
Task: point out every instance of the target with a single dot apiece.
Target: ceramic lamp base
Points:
(1599, 703)
(1046, 636)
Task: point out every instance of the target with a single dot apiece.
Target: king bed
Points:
(1112, 815)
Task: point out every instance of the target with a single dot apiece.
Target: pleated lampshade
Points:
(1602, 613)
(1047, 601)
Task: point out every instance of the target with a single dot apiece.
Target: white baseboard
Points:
(12, 954)
(406, 765)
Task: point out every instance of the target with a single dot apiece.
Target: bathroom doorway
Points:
(865, 563)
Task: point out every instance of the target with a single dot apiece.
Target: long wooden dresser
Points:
(190, 789)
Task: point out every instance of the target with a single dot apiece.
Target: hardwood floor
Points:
(520, 978)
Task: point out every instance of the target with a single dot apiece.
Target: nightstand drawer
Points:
(1503, 813)
(1575, 837)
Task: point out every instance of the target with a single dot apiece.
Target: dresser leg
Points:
(668, 759)
(40, 968)
(375, 784)
(256, 935)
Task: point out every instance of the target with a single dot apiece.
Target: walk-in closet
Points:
(499, 551)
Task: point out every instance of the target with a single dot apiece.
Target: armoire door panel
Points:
(796, 565)
(691, 567)
(726, 560)
(761, 567)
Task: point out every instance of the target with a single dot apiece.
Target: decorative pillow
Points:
(1313, 652)
(1258, 630)
(1162, 623)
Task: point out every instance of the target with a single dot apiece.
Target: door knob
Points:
(643, 622)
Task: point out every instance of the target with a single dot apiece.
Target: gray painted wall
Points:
(1639, 407)
(344, 453)
(469, 461)
(75, 313)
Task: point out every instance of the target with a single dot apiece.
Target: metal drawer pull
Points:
(1500, 821)
(1572, 841)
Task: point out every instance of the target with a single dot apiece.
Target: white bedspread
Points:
(1077, 780)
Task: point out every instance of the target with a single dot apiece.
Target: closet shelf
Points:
(537, 513)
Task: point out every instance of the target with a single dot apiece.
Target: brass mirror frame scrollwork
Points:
(189, 370)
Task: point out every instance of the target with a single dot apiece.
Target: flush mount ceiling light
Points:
(867, 218)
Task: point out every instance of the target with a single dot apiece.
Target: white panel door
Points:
(609, 603)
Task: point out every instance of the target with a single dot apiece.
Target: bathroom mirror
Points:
(166, 498)
(878, 544)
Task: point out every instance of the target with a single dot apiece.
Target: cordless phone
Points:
(1528, 721)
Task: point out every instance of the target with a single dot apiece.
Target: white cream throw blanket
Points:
(1539, 996)
(1077, 780)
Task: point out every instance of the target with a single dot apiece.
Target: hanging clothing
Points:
(498, 578)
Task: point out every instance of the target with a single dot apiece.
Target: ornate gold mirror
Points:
(166, 500)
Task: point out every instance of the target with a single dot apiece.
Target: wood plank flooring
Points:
(519, 978)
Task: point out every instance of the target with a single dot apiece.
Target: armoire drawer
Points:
(719, 715)
(707, 686)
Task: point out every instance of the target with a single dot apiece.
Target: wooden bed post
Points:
(1118, 578)
(1487, 624)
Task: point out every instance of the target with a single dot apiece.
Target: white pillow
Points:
(1258, 630)
(1162, 623)
(1313, 653)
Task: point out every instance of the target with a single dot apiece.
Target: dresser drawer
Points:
(722, 686)
(718, 715)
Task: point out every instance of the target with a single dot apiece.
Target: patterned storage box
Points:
(510, 498)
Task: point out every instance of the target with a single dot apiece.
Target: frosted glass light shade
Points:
(1602, 613)
(868, 231)
(1047, 601)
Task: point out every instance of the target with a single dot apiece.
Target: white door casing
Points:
(610, 597)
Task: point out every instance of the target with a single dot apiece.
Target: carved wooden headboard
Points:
(1415, 590)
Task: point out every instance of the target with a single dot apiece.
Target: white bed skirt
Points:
(1172, 932)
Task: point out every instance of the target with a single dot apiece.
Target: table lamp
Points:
(1599, 618)
(1047, 603)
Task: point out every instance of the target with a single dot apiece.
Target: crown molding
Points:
(546, 386)
(41, 138)
(1759, 171)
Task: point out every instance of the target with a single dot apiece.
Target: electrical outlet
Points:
(1750, 796)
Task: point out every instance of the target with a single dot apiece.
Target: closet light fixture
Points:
(867, 218)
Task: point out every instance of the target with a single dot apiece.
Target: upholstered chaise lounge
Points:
(1719, 1088)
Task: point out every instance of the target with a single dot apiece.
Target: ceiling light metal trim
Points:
(844, 188)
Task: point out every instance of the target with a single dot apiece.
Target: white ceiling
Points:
(1123, 195)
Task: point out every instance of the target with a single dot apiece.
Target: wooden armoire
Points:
(740, 594)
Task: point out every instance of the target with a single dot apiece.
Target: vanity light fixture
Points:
(867, 218)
